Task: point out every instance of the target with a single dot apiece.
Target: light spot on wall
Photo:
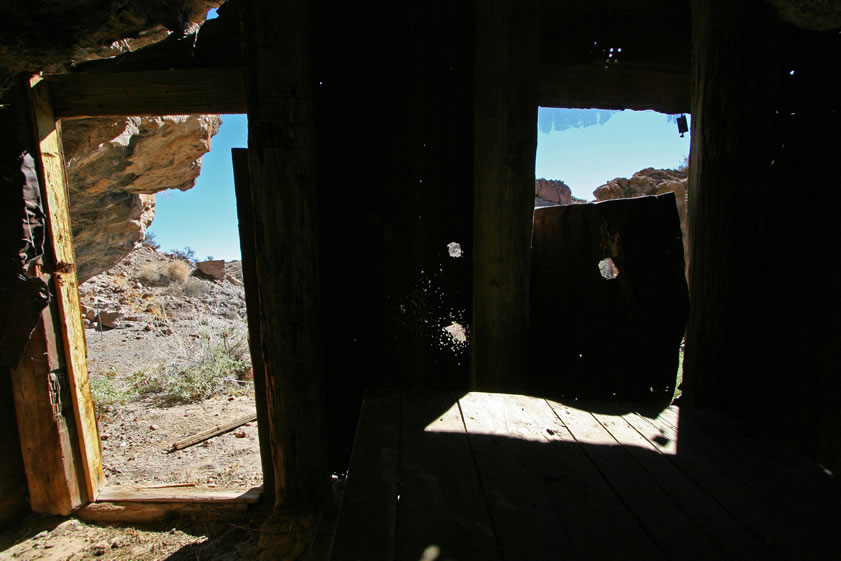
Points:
(608, 269)
(454, 249)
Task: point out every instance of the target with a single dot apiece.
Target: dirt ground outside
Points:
(168, 358)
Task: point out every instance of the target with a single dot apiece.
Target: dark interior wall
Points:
(394, 137)
(764, 330)
(13, 502)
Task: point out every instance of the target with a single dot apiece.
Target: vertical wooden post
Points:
(245, 216)
(51, 173)
(505, 144)
(282, 166)
(728, 196)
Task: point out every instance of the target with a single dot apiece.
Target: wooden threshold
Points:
(154, 504)
(178, 493)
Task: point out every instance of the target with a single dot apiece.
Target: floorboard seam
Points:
(610, 485)
(480, 480)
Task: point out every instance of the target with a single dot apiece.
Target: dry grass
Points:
(162, 274)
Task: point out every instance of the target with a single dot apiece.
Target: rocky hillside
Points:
(141, 311)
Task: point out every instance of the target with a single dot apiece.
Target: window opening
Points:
(591, 155)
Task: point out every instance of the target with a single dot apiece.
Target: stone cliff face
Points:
(652, 181)
(114, 168)
(51, 36)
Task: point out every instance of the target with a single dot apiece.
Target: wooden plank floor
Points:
(483, 476)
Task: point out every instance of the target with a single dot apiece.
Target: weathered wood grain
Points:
(140, 512)
(661, 515)
(282, 165)
(55, 196)
(211, 432)
(47, 433)
(503, 204)
(722, 528)
(441, 503)
(178, 494)
(509, 438)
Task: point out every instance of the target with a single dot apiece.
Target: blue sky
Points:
(204, 217)
(588, 157)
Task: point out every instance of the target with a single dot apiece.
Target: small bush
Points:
(178, 270)
(217, 368)
(191, 287)
(108, 389)
(150, 274)
(162, 274)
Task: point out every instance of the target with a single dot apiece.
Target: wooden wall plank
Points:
(55, 196)
(153, 92)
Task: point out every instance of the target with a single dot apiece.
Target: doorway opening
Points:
(166, 327)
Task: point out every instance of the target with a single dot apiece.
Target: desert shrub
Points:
(109, 389)
(162, 274)
(211, 365)
(190, 287)
(217, 368)
(178, 270)
(150, 274)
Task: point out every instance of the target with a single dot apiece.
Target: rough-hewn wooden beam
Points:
(156, 92)
(618, 87)
(57, 207)
(506, 140)
(282, 164)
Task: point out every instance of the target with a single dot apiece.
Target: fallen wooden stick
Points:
(210, 433)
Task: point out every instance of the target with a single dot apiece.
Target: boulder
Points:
(112, 320)
(114, 168)
(554, 191)
(214, 269)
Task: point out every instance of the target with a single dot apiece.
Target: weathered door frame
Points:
(175, 92)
